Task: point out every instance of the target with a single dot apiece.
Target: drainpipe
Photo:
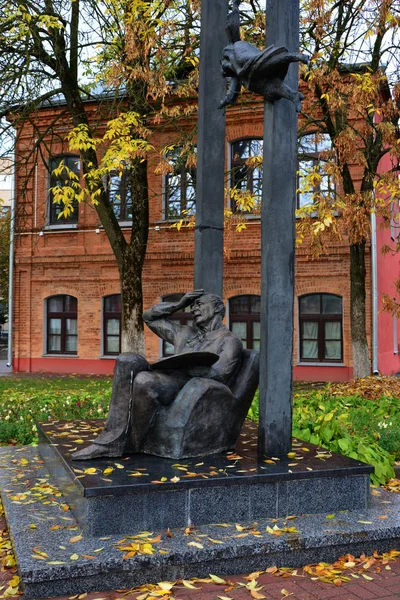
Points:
(11, 267)
(374, 284)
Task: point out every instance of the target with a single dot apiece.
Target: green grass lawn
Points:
(25, 400)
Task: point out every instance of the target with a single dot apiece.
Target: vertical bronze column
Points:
(278, 244)
(209, 233)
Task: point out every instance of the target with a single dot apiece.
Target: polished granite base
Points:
(142, 492)
(55, 558)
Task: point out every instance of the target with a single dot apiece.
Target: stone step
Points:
(54, 560)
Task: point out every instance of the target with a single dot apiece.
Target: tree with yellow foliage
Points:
(138, 52)
(353, 97)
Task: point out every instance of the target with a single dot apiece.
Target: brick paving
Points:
(384, 586)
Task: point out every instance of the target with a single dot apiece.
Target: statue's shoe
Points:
(94, 451)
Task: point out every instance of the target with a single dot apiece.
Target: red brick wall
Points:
(79, 262)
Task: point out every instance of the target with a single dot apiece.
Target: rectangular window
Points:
(180, 185)
(62, 325)
(112, 325)
(314, 152)
(244, 320)
(246, 175)
(321, 328)
(72, 163)
(120, 194)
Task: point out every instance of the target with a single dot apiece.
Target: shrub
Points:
(338, 418)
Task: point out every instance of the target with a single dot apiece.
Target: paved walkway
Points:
(383, 586)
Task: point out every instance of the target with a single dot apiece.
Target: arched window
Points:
(184, 317)
(72, 163)
(246, 168)
(244, 320)
(321, 328)
(112, 324)
(62, 325)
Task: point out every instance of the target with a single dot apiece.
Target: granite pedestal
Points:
(141, 492)
(56, 558)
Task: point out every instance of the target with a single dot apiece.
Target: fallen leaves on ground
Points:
(8, 563)
(393, 485)
(142, 543)
(372, 387)
(343, 570)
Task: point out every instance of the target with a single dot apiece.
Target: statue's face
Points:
(226, 64)
(202, 310)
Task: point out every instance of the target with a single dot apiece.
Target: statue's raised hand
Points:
(190, 297)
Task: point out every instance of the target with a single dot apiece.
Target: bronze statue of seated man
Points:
(141, 392)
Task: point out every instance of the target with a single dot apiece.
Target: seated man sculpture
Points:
(141, 392)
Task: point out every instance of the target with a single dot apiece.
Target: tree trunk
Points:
(361, 362)
(358, 326)
(132, 336)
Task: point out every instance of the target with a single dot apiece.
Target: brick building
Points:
(66, 284)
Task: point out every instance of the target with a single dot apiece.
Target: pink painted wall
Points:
(63, 365)
(388, 272)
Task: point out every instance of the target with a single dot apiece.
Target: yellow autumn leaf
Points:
(40, 553)
(196, 545)
(108, 470)
(254, 575)
(166, 585)
(74, 557)
(365, 522)
(90, 471)
(76, 538)
(217, 579)
(257, 595)
(189, 585)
